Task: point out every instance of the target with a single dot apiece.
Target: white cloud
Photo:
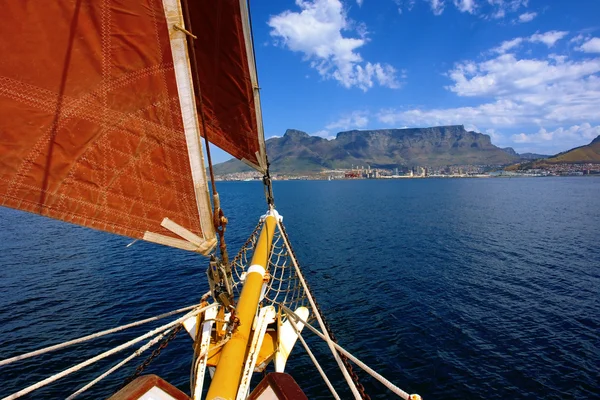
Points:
(500, 113)
(353, 120)
(506, 75)
(356, 119)
(407, 4)
(508, 45)
(578, 39)
(359, 2)
(497, 138)
(465, 5)
(560, 138)
(501, 7)
(437, 6)
(527, 17)
(509, 92)
(590, 46)
(317, 32)
(324, 133)
(487, 9)
(548, 38)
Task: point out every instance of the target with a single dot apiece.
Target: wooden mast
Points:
(229, 371)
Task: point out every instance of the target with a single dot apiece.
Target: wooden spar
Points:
(228, 374)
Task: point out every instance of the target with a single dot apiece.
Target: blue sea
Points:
(450, 288)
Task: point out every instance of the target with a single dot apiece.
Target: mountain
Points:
(437, 146)
(533, 156)
(524, 156)
(510, 150)
(590, 153)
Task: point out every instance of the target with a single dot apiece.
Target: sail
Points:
(98, 123)
(227, 78)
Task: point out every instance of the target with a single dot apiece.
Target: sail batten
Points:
(98, 123)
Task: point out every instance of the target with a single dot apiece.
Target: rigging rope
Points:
(343, 364)
(268, 183)
(92, 336)
(362, 365)
(101, 356)
(284, 284)
(137, 353)
(314, 360)
(152, 356)
(286, 287)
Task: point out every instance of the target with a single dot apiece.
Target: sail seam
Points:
(34, 205)
(95, 136)
(84, 110)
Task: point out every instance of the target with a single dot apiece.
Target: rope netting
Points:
(283, 286)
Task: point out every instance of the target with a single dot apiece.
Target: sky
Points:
(525, 72)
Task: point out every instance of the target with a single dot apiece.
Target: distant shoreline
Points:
(417, 178)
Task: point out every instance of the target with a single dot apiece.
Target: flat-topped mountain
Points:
(297, 151)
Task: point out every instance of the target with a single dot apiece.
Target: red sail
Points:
(91, 128)
(227, 78)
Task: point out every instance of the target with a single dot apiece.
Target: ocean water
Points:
(451, 288)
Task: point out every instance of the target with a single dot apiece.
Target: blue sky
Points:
(527, 73)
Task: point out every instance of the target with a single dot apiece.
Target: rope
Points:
(326, 327)
(152, 356)
(287, 288)
(101, 356)
(92, 336)
(282, 283)
(362, 365)
(137, 353)
(314, 360)
(330, 344)
(268, 183)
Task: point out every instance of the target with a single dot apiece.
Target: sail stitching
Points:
(14, 184)
(73, 108)
(109, 138)
(158, 4)
(49, 105)
(79, 200)
(76, 217)
(105, 40)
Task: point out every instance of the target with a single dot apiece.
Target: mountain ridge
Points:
(297, 151)
(589, 153)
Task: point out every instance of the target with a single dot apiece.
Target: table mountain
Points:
(298, 152)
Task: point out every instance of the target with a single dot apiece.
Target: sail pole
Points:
(229, 371)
